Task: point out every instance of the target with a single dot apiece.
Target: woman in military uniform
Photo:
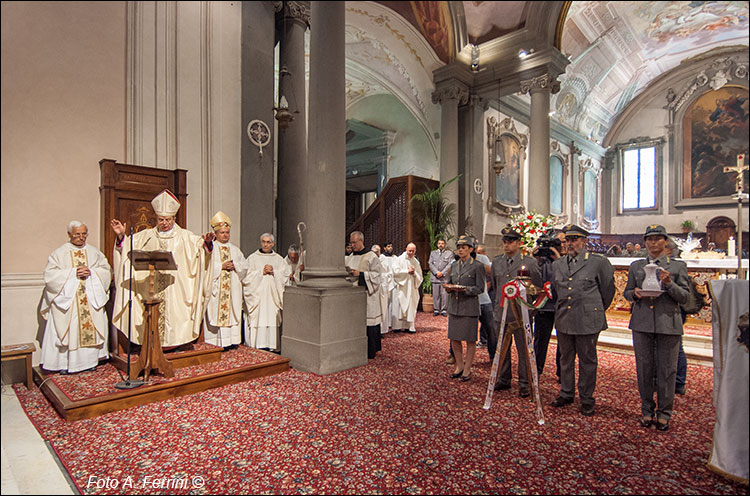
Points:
(467, 281)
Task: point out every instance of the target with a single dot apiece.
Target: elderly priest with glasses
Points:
(76, 289)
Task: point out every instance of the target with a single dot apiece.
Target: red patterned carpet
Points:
(399, 425)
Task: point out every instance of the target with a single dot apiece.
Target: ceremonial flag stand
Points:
(512, 292)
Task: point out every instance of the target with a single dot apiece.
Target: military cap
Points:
(465, 240)
(574, 230)
(655, 230)
(510, 234)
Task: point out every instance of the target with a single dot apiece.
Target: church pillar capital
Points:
(540, 83)
(293, 11)
(454, 92)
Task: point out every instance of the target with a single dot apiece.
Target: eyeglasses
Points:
(79, 235)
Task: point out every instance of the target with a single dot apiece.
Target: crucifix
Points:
(739, 169)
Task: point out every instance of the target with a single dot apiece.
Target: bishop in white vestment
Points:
(267, 274)
(76, 289)
(407, 275)
(227, 269)
(181, 311)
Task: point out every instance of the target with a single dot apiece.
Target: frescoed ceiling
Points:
(616, 48)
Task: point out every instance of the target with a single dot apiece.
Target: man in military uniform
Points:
(585, 286)
(505, 268)
(656, 322)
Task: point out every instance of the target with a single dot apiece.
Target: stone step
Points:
(698, 349)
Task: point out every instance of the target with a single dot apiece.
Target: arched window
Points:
(555, 185)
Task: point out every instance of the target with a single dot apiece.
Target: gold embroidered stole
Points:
(86, 329)
(161, 283)
(225, 290)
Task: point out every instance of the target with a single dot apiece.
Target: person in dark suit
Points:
(656, 322)
(467, 282)
(440, 263)
(505, 268)
(585, 286)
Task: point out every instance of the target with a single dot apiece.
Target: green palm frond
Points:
(438, 215)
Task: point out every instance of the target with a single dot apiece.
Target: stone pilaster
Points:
(292, 20)
(449, 97)
(540, 88)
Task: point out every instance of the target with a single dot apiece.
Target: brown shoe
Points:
(450, 360)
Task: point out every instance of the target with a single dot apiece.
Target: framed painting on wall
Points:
(714, 132)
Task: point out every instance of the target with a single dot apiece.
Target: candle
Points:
(731, 247)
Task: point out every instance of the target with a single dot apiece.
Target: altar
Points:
(701, 269)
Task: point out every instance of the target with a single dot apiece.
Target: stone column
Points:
(538, 172)
(292, 21)
(325, 318)
(449, 97)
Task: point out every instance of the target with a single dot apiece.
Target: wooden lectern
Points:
(151, 356)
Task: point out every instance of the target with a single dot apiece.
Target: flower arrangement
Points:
(531, 225)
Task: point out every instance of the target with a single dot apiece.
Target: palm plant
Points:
(437, 214)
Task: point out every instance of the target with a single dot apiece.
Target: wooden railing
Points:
(391, 217)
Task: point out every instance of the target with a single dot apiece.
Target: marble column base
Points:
(324, 329)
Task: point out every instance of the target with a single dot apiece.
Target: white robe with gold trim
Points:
(212, 332)
(61, 349)
(181, 289)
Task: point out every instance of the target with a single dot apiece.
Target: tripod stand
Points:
(510, 293)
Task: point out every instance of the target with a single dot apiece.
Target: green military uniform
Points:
(585, 287)
(656, 322)
(504, 269)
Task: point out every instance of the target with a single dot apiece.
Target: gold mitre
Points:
(220, 220)
(165, 204)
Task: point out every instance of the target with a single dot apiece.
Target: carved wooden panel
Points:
(126, 192)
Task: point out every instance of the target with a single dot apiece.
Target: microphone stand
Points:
(128, 383)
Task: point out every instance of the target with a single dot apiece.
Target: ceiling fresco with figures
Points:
(616, 49)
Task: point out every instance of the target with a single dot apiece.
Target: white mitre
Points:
(220, 220)
(165, 204)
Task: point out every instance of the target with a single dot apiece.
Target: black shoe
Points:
(662, 426)
(679, 390)
(524, 393)
(587, 410)
(647, 422)
(456, 375)
(501, 387)
(560, 401)
(444, 314)
(435, 314)
(466, 378)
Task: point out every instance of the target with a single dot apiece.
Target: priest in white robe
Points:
(181, 290)
(227, 268)
(296, 266)
(389, 285)
(364, 270)
(385, 275)
(267, 274)
(407, 275)
(76, 289)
